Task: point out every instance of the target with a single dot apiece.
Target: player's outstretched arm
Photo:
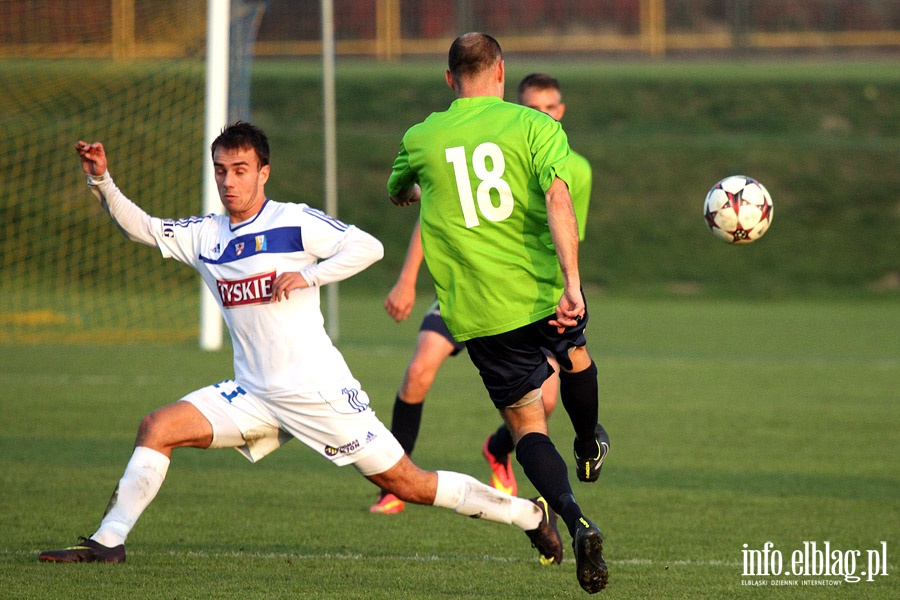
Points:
(131, 219)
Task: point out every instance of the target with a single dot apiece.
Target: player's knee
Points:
(173, 426)
(417, 383)
(580, 358)
(149, 428)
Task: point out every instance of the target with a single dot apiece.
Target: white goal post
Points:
(215, 117)
(330, 158)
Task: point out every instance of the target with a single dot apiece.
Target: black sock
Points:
(501, 443)
(405, 423)
(570, 513)
(546, 470)
(579, 393)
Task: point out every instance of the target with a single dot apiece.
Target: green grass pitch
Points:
(732, 423)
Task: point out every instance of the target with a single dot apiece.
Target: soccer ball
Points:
(738, 210)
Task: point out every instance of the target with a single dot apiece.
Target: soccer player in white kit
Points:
(264, 262)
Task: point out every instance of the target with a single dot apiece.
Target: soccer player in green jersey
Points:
(435, 344)
(500, 238)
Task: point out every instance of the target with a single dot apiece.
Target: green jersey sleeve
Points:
(580, 189)
(402, 177)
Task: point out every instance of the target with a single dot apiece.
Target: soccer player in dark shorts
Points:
(502, 212)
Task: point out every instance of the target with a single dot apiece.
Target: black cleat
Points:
(589, 564)
(546, 537)
(588, 467)
(85, 550)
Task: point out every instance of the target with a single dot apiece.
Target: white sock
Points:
(467, 496)
(141, 481)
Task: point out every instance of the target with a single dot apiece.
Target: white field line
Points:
(421, 558)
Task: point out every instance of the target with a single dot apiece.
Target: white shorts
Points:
(342, 429)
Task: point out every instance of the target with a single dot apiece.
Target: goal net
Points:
(134, 80)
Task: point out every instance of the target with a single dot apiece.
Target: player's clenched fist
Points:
(93, 158)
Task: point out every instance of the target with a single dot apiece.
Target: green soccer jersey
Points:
(580, 189)
(483, 166)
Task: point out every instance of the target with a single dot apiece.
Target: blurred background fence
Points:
(823, 137)
(394, 29)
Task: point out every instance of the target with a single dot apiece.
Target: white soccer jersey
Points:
(280, 348)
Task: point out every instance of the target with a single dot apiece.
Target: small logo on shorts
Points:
(348, 448)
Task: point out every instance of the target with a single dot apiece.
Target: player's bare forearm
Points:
(93, 158)
(402, 297)
(564, 231)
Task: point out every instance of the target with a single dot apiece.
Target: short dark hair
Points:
(242, 135)
(541, 81)
(472, 53)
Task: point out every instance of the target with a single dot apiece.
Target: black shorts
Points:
(433, 321)
(514, 363)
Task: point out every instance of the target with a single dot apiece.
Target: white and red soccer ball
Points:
(738, 210)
